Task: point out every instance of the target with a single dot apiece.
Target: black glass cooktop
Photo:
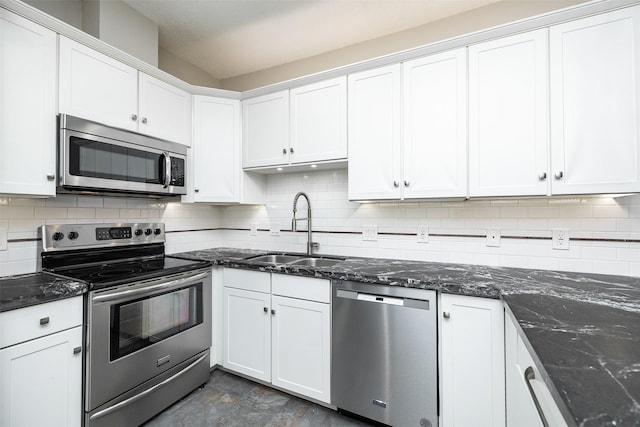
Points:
(115, 273)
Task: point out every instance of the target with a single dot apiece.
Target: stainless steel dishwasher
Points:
(384, 353)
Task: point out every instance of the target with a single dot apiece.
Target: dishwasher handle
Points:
(382, 299)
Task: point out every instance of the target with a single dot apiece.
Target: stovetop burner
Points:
(107, 255)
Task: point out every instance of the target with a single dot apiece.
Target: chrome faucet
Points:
(294, 221)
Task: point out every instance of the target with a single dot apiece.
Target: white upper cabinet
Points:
(27, 107)
(319, 121)
(595, 92)
(99, 88)
(216, 149)
(435, 126)
(508, 110)
(265, 125)
(375, 156)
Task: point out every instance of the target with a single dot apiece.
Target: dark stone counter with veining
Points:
(36, 288)
(584, 328)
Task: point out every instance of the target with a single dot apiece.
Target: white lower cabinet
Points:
(276, 329)
(41, 367)
(525, 386)
(472, 388)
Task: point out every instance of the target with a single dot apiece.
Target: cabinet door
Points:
(164, 110)
(96, 87)
(247, 333)
(301, 347)
(216, 149)
(595, 96)
(27, 107)
(265, 124)
(472, 361)
(435, 126)
(508, 126)
(374, 134)
(319, 121)
(42, 381)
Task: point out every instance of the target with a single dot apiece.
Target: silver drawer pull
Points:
(529, 375)
(77, 350)
(446, 315)
(44, 320)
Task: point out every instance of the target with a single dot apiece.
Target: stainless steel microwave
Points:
(94, 158)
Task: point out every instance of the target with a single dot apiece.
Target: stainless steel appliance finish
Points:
(147, 316)
(384, 353)
(94, 158)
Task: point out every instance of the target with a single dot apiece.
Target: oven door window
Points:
(146, 321)
(111, 161)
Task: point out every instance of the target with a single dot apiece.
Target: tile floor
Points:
(228, 400)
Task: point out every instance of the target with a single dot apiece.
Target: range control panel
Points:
(72, 236)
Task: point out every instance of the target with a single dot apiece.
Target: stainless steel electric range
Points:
(147, 317)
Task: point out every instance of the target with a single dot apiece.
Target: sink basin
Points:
(316, 262)
(275, 259)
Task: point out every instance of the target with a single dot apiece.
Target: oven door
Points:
(137, 332)
(95, 163)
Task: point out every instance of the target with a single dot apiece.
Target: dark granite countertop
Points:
(36, 288)
(584, 328)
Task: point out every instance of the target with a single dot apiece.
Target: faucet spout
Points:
(294, 227)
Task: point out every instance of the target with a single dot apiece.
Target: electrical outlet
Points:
(3, 239)
(423, 234)
(370, 232)
(254, 229)
(274, 229)
(560, 239)
(493, 237)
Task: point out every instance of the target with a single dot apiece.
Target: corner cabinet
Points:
(472, 380)
(27, 107)
(41, 365)
(595, 104)
(276, 328)
(508, 111)
(529, 401)
(97, 87)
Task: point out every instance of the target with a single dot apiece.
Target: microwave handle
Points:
(167, 169)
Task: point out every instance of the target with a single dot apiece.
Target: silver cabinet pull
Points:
(542, 176)
(196, 190)
(134, 117)
(406, 183)
(273, 311)
(291, 150)
(51, 176)
(77, 350)
(559, 175)
(446, 315)
(144, 120)
(284, 151)
(266, 310)
(44, 320)
(396, 184)
(529, 375)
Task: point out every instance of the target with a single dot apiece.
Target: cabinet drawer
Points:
(256, 281)
(27, 323)
(308, 288)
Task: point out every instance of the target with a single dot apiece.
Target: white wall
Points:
(69, 11)
(609, 228)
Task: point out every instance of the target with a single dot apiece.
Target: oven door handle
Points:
(139, 396)
(111, 296)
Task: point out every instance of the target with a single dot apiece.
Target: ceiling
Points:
(228, 38)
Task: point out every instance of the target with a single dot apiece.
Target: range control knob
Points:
(138, 232)
(157, 231)
(148, 232)
(58, 236)
(73, 235)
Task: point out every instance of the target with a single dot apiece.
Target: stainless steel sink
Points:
(275, 258)
(316, 262)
